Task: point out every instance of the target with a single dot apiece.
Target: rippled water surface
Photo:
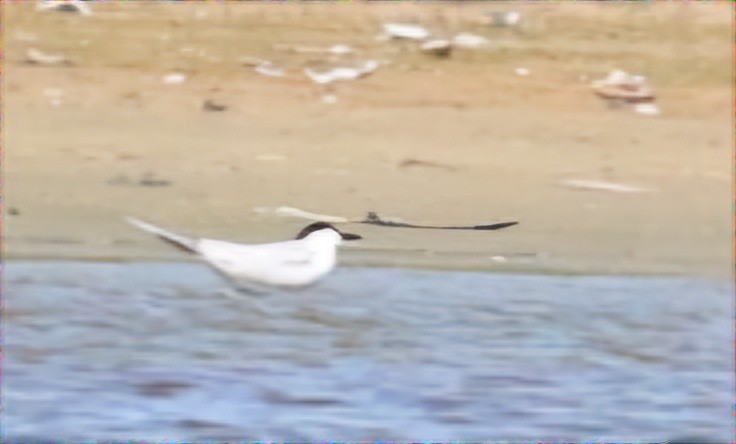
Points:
(158, 351)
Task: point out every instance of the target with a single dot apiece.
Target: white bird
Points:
(290, 264)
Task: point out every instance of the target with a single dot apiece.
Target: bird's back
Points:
(290, 263)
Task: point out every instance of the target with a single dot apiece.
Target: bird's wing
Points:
(288, 252)
(239, 258)
(181, 242)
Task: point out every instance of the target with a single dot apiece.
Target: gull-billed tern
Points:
(291, 264)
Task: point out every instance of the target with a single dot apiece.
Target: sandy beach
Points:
(461, 140)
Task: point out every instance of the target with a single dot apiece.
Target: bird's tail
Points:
(181, 242)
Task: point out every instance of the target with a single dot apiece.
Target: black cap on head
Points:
(311, 228)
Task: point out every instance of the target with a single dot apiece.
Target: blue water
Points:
(161, 351)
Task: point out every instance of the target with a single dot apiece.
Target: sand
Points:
(461, 140)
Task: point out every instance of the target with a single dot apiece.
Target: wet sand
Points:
(462, 140)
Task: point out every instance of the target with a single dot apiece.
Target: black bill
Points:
(350, 236)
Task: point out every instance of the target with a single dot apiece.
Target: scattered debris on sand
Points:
(252, 61)
(36, 57)
(405, 31)
(470, 41)
(438, 47)
(503, 18)
(174, 78)
(75, 6)
(409, 163)
(149, 180)
(621, 85)
(295, 212)
(269, 70)
(596, 185)
(338, 49)
(621, 88)
(372, 218)
(647, 109)
(341, 73)
(146, 180)
(211, 105)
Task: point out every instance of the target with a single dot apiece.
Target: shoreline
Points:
(411, 260)
(438, 268)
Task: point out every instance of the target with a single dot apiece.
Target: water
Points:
(158, 351)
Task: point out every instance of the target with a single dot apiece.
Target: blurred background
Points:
(605, 128)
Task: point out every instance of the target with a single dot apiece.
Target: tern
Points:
(288, 264)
